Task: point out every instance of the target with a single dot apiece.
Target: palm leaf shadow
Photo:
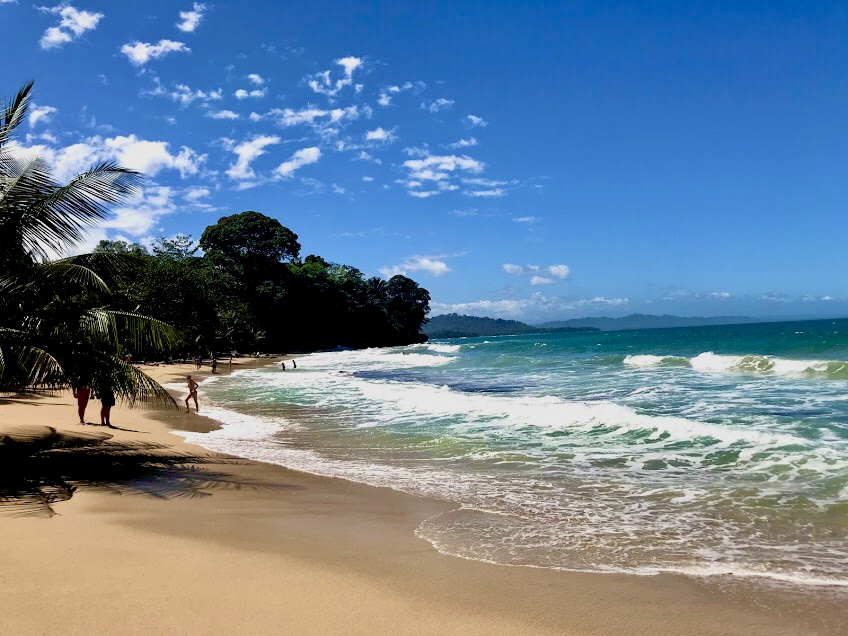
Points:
(40, 466)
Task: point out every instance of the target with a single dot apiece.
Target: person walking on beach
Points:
(197, 362)
(107, 401)
(294, 364)
(214, 365)
(231, 363)
(192, 393)
(82, 394)
(283, 364)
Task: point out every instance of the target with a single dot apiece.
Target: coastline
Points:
(273, 550)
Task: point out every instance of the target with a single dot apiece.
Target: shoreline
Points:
(272, 549)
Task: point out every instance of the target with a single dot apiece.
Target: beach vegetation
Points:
(249, 290)
(57, 325)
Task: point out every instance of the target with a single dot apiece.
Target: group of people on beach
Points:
(84, 393)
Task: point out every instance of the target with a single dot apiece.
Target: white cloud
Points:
(364, 156)
(541, 280)
(195, 193)
(246, 152)
(256, 79)
(223, 114)
(322, 82)
(560, 271)
(184, 95)
(463, 143)
(254, 94)
(72, 25)
(302, 157)
(553, 272)
(437, 105)
(423, 194)
(536, 307)
(720, 295)
(385, 98)
(140, 53)
(473, 121)
(495, 192)
(141, 215)
(487, 183)
(367, 179)
(337, 189)
(430, 264)
(776, 298)
(527, 219)
(148, 157)
(436, 168)
(379, 134)
(319, 118)
(466, 212)
(40, 113)
(190, 19)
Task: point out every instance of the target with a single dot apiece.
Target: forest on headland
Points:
(244, 287)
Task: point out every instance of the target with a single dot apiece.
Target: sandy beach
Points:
(249, 548)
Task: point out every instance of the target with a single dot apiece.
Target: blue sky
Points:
(535, 160)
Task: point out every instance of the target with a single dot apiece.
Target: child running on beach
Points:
(192, 393)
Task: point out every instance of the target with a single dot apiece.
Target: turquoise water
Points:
(701, 450)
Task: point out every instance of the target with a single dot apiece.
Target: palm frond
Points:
(142, 332)
(44, 217)
(15, 111)
(63, 276)
(108, 266)
(27, 365)
(127, 382)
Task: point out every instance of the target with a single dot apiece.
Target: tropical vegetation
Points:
(250, 290)
(57, 325)
(72, 321)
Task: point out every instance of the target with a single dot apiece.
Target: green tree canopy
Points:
(246, 244)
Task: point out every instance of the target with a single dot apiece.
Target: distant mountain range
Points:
(648, 321)
(460, 326)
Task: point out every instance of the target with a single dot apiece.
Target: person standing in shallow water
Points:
(82, 394)
(214, 365)
(192, 393)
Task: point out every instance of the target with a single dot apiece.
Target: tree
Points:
(249, 250)
(247, 244)
(179, 248)
(119, 247)
(55, 326)
(407, 305)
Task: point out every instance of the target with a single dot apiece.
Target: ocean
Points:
(703, 451)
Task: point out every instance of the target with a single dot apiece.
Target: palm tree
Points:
(55, 325)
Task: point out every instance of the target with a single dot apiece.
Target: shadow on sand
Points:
(40, 466)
